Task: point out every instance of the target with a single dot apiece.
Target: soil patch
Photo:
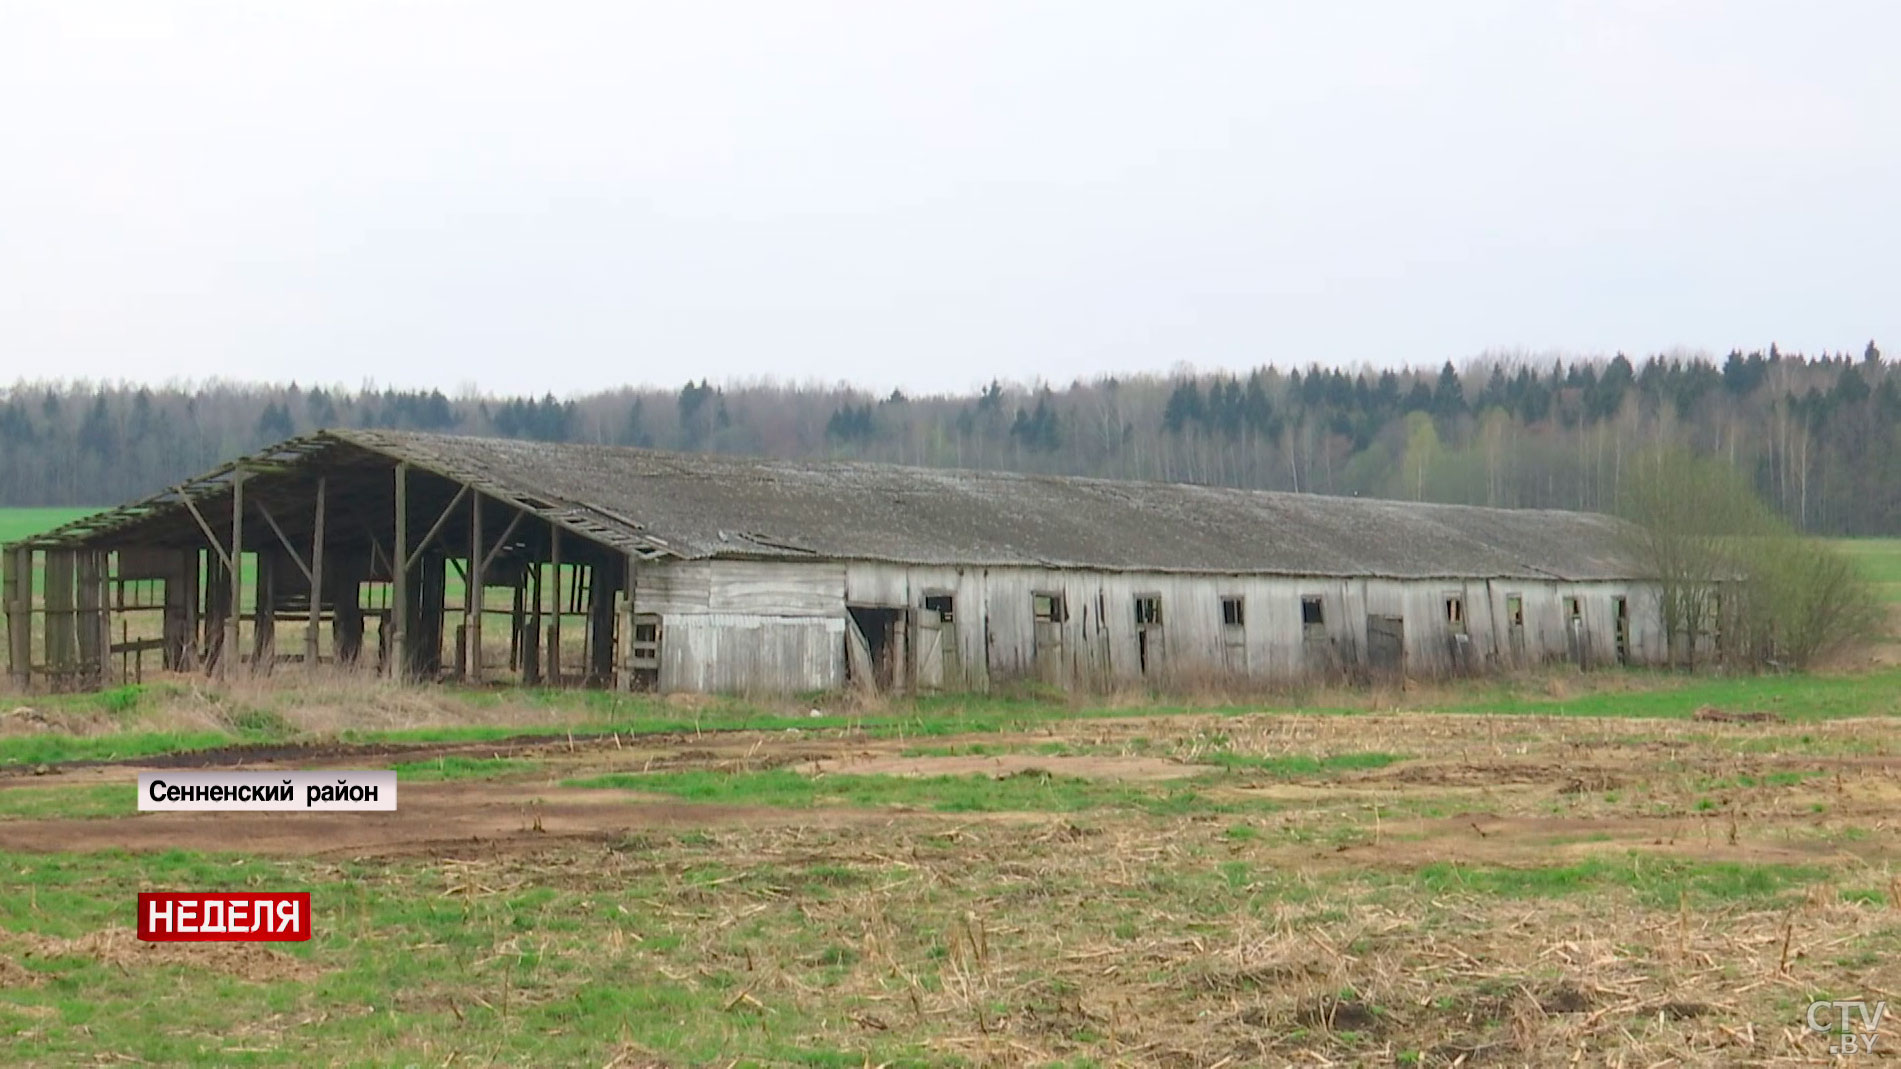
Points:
(998, 766)
(120, 948)
(432, 819)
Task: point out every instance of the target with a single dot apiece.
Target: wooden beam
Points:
(295, 558)
(399, 581)
(264, 614)
(217, 589)
(554, 625)
(603, 607)
(624, 641)
(435, 529)
(472, 591)
(315, 575)
(89, 610)
(229, 656)
(103, 621)
(61, 635)
(206, 528)
(530, 643)
(502, 541)
(18, 594)
(377, 552)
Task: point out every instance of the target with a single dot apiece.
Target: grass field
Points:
(1552, 870)
(1880, 560)
(17, 523)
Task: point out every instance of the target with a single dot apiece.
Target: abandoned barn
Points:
(639, 569)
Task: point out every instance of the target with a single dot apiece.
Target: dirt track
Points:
(436, 819)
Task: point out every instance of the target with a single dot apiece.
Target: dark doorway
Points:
(882, 631)
(1148, 633)
(1574, 632)
(1386, 644)
(937, 661)
(1620, 609)
(1049, 612)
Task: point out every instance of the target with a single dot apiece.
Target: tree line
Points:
(1819, 437)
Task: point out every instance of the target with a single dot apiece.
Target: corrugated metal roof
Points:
(701, 506)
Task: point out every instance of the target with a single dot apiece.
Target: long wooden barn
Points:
(638, 569)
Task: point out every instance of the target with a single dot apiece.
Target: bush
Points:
(1736, 582)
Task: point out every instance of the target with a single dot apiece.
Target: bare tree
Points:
(1736, 582)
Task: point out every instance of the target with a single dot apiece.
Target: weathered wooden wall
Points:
(735, 626)
(780, 626)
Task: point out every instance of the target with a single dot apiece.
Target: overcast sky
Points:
(570, 196)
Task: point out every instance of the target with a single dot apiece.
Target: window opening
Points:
(1048, 608)
(1234, 611)
(1313, 618)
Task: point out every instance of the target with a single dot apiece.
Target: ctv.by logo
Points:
(1835, 1018)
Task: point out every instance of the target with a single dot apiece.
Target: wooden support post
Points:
(264, 612)
(18, 594)
(425, 636)
(517, 620)
(61, 636)
(399, 580)
(554, 625)
(313, 633)
(531, 640)
(346, 575)
(89, 611)
(603, 610)
(188, 580)
(104, 620)
(180, 612)
(624, 641)
(230, 655)
(217, 593)
(473, 591)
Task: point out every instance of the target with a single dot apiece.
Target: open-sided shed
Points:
(632, 567)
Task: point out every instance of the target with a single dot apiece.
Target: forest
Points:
(1819, 436)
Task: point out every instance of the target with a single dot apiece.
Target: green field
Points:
(1586, 874)
(16, 524)
(1880, 561)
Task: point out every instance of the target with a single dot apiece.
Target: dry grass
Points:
(1518, 890)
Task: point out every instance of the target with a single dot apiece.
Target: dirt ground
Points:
(1488, 785)
(1190, 890)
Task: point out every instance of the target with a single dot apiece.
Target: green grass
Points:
(447, 768)
(50, 802)
(1657, 882)
(588, 713)
(514, 977)
(1879, 560)
(1300, 766)
(654, 945)
(1672, 696)
(58, 749)
(18, 523)
(1022, 792)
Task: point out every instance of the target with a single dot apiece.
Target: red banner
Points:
(224, 916)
